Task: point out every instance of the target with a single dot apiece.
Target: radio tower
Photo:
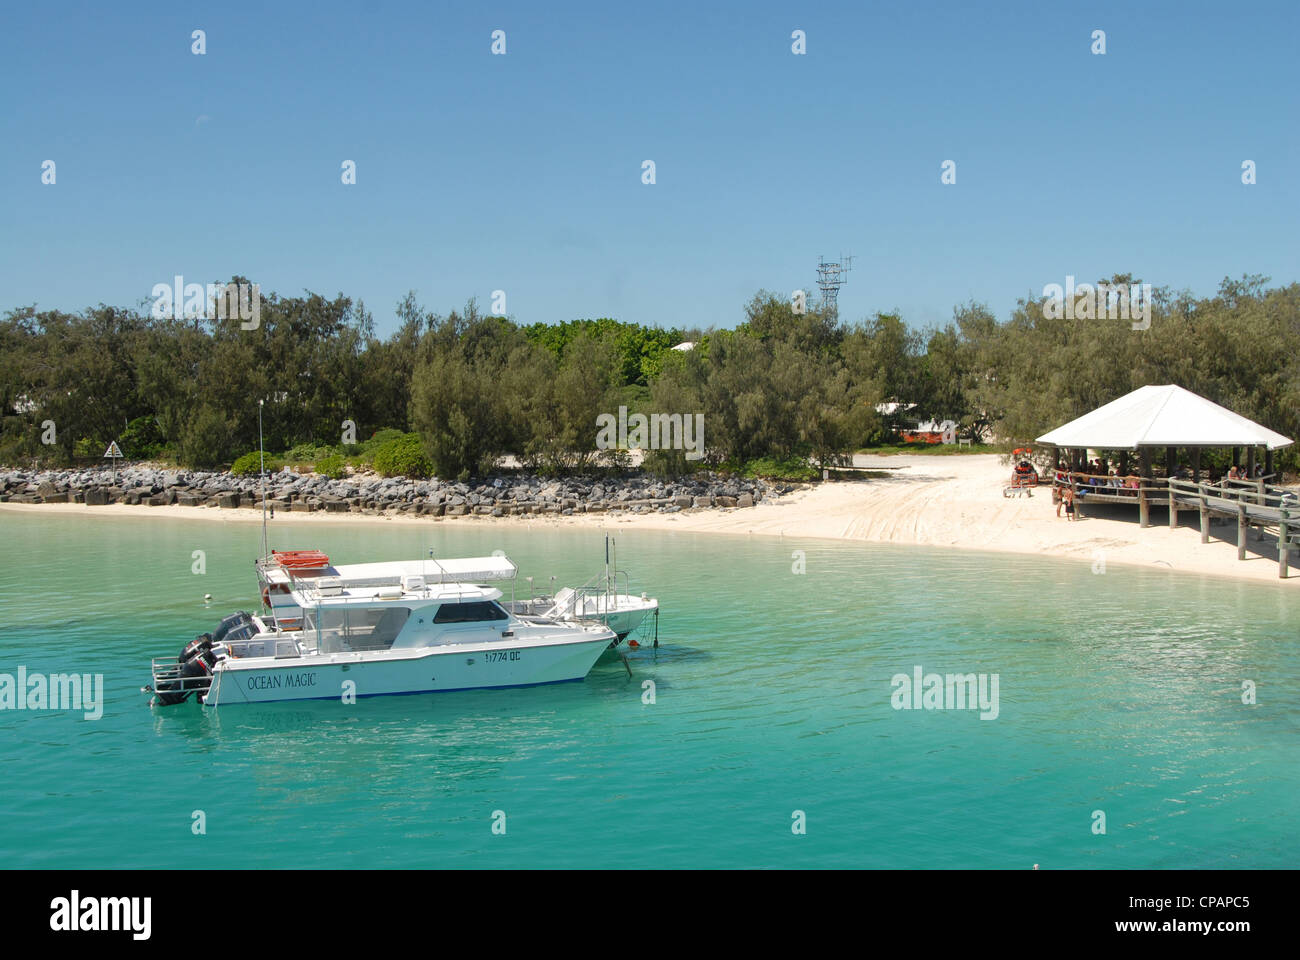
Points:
(830, 277)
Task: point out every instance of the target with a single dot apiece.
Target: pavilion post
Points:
(1283, 544)
(1268, 462)
(1242, 527)
(1144, 470)
(1250, 462)
(1196, 464)
(1171, 454)
(1236, 456)
(1123, 463)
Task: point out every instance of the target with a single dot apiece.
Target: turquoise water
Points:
(1119, 693)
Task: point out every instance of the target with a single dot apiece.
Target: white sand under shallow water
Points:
(946, 501)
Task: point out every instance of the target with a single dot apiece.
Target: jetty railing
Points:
(1252, 503)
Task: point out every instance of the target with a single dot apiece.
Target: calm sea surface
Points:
(1119, 693)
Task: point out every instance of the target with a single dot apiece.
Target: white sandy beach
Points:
(945, 501)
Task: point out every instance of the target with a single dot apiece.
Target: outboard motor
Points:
(198, 659)
(200, 644)
(232, 624)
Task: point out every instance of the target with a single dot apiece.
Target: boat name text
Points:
(280, 682)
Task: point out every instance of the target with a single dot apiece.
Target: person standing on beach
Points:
(1067, 498)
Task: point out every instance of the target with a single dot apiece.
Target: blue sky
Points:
(523, 172)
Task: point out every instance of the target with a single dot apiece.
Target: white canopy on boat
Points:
(455, 570)
(1162, 416)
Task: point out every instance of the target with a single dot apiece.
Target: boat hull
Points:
(430, 670)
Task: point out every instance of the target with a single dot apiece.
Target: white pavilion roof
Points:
(1162, 416)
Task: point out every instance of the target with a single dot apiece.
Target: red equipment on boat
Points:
(298, 560)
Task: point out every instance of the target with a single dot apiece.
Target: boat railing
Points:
(168, 677)
(603, 589)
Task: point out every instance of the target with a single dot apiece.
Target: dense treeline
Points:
(779, 386)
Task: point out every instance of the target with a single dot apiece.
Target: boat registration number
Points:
(495, 656)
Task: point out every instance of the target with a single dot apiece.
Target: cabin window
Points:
(343, 629)
(477, 612)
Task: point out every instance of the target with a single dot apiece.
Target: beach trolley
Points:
(1023, 476)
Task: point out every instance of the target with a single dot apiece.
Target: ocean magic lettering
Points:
(953, 691)
(275, 681)
(58, 691)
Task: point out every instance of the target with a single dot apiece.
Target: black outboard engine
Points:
(237, 626)
(200, 644)
(198, 659)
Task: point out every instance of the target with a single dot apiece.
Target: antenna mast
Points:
(261, 456)
(830, 277)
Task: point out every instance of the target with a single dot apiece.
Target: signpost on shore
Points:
(113, 454)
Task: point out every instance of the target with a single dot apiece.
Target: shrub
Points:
(308, 453)
(331, 466)
(794, 469)
(403, 457)
(380, 438)
(248, 463)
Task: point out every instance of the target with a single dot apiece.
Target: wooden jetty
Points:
(1251, 503)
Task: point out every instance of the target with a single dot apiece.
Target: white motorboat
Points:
(351, 633)
(621, 612)
(596, 601)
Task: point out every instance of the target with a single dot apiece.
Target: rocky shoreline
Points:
(372, 495)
